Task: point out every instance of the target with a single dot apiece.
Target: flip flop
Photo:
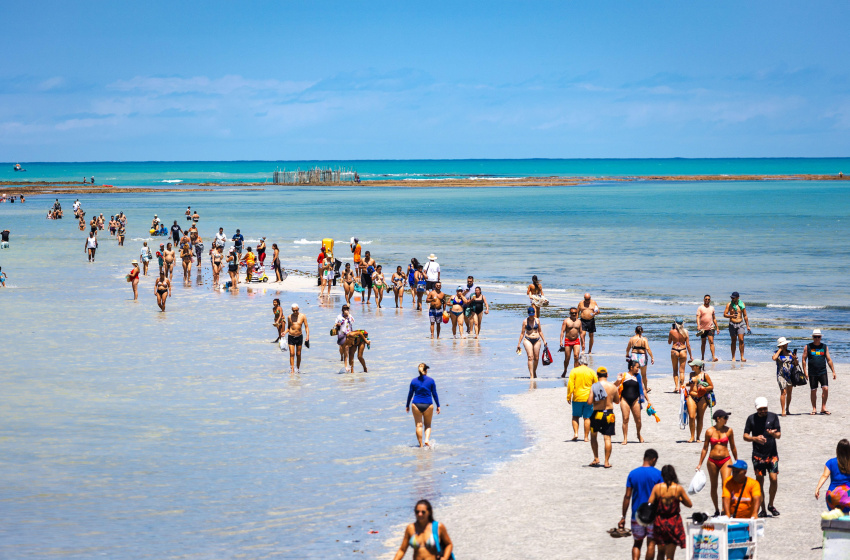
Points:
(813, 414)
(826, 412)
(618, 532)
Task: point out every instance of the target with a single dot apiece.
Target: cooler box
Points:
(836, 538)
(724, 539)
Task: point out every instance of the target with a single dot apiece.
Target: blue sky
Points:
(83, 81)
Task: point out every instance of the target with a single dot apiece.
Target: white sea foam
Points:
(171, 181)
(303, 241)
(791, 306)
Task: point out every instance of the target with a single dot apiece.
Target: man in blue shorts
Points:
(578, 395)
(437, 302)
(639, 487)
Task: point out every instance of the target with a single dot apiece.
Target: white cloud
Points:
(226, 85)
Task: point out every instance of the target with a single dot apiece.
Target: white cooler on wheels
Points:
(724, 539)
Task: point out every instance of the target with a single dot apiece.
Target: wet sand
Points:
(548, 503)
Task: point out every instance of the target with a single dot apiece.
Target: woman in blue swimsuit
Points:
(422, 388)
(429, 539)
(458, 304)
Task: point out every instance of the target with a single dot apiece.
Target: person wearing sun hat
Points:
(699, 386)
(815, 359)
(432, 272)
(741, 494)
(763, 429)
(133, 278)
(785, 363)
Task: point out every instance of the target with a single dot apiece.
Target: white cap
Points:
(761, 402)
(782, 341)
(294, 306)
(816, 332)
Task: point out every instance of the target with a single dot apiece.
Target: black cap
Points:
(720, 413)
(736, 294)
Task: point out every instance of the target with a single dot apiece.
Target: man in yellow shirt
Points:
(578, 394)
(741, 494)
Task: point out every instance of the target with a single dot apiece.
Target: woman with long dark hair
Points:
(837, 470)
(667, 527)
(719, 442)
(429, 539)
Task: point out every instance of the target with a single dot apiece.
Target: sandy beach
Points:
(547, 503)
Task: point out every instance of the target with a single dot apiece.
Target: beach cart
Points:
(724, 539)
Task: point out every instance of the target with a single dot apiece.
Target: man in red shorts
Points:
(572, 341)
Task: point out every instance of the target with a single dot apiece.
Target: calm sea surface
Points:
(128, 433)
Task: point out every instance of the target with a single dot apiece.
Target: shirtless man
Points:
(739, 323)
(437, 301)
(168, 258)
(162, 289)
(572, 338)
(296, 338)
(366, 274)
(279, 321)
(588, 310)
(603, 397)
(196, 217)
(707, 326)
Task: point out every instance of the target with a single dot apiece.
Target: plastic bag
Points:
(697, 483)
(547, 356)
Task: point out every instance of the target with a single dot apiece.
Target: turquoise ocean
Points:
(129, 433)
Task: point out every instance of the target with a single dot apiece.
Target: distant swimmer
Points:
(587, 311)
(534, 293)
(146, 257)
(436, 302)
(162, 289)
(603, 397)
(297, 336)
(91, 245)
(398, 281)
(638, 350)
(707, 326)
(531, 338)
(4, 239)
(680, 351)
(572, 342)
(423, 395)
(133, 278)
(169, 257)
(188, 213)
(739, 323)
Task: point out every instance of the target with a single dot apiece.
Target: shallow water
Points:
(134, 434)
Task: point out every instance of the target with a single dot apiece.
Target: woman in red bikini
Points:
(719, 441)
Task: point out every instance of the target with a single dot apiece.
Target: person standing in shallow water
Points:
(739, 323)
(423, 393)
(133, 278)
(587, 312)
(297, 336)
(162, 289)
(707, 326)
(531, 339)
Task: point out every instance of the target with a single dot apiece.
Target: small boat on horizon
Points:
(18, 167)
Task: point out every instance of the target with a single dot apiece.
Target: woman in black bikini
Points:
(632, 395)
(348, 283)
(638, 350)
(233, 268)
(278, 271)
(162, 289)
(531, 338)
(679, 352)
(719, 441)
(479, 308)
(699, 387)
(458, 304)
